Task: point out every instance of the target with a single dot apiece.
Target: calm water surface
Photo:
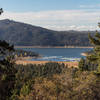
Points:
(59, 54)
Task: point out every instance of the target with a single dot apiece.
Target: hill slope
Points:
(22, 34)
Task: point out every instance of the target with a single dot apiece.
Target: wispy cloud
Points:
(58, 20)
(90, 6)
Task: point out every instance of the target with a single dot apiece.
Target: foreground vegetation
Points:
(54, 81)
(51, 81)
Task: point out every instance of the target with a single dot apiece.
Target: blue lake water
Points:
(58, 54)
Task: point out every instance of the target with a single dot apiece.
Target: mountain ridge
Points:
(22, 34)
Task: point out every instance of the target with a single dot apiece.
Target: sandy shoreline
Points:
(25, 62)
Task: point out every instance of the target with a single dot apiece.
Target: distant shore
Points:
(84, 54)
(70, 64)
(53, 47)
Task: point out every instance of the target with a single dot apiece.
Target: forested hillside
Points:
(31, 82)
(21, 34)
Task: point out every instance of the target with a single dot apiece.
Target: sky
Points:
(54, 14)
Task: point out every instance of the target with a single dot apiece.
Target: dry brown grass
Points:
(25, 62)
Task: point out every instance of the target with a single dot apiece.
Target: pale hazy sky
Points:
(54, 14)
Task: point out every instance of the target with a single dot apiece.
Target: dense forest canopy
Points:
(22, 34)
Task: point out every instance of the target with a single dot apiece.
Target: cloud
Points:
(90, 6)
(58, 20)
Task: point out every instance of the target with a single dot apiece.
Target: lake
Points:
(58, 54)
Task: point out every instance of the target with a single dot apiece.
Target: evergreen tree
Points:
(92, 61)
(95, 57)
(81, 64)
(7, 71)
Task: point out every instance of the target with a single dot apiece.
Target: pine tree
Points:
(95, 57)
(92, 62)
(7, 70)
(81, 64)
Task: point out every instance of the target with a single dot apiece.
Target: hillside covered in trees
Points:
(31, 82)
(22, 34)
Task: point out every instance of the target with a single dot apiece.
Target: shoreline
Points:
(84, 54)
(53, 47)
(26, 62)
